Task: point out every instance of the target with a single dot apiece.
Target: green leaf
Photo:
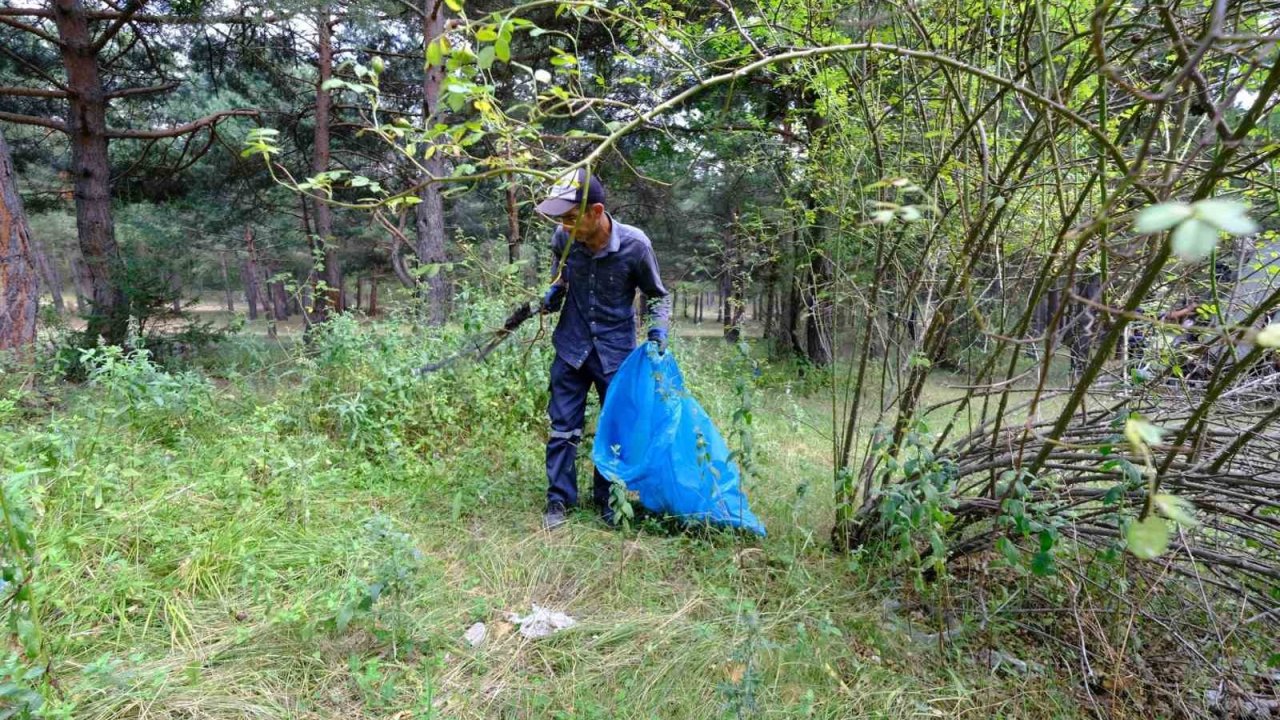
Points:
(1142, 434)
(343, 618)
(1226, 215)
(486, 34)
(1149, 538)
(937, 547)
(1158, 218)
(485, 59)
(435, 52)
(1269, 336)
(1176, 509)
(29, 637)
(1114, 494)
(1042, 564)
(502, 48)
(1195, 240)
(332, 84)
(454, 5)
(1010, 551)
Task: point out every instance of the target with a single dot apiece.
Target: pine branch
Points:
(133, 92)
(33, 92)
(180, 130)
(31, 29)
(130, 10)
(33, 120)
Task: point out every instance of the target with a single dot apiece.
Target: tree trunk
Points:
(373, 295)
(19, 282)
(264, 295)
(400, 269)
(83, 286)
(249, 273)
(49, 274)
(250, 293)
(175, 286)
(226, 284)
(281, 299)
(306, 302)
(331, 273)
(731, 285)
(513, 225)
(790, 325)
(818, 324)
(430, 212)
(770, 299)
(87, 132)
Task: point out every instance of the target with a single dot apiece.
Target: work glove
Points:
(552, 300)
(658, 339)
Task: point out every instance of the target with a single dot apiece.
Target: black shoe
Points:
(554, 517)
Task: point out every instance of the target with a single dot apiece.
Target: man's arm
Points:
(553, 300)
(657, 301)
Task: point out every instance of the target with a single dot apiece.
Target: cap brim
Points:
(555, 207)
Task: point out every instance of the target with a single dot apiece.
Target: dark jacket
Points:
(597, 308)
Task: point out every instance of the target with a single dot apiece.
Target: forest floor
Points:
(276, 544)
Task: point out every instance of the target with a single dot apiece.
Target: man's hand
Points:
(658, 336)
(552, 300)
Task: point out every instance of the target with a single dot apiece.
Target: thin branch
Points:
(32, 29)
(33, 120)
(33, 92)
(133, 92)
(130, 10)
(680, 98)
(180, 130)
(34, 68)
(149, 19)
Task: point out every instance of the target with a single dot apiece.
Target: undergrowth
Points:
(307, 532)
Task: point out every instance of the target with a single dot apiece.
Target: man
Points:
(605, 263)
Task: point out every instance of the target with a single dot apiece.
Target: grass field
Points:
(310, 537)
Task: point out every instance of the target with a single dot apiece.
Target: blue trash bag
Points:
(657, 439)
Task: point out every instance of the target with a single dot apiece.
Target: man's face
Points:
(582, 224)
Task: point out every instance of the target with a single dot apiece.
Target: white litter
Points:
(476, 634)
(541, 622)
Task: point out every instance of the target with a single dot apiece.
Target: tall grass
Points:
(310, 534)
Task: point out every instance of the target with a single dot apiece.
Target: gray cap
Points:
(566, 194)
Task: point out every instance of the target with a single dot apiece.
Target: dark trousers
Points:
(567, 409)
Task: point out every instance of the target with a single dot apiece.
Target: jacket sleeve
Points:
(657, 301)
(555, 300)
